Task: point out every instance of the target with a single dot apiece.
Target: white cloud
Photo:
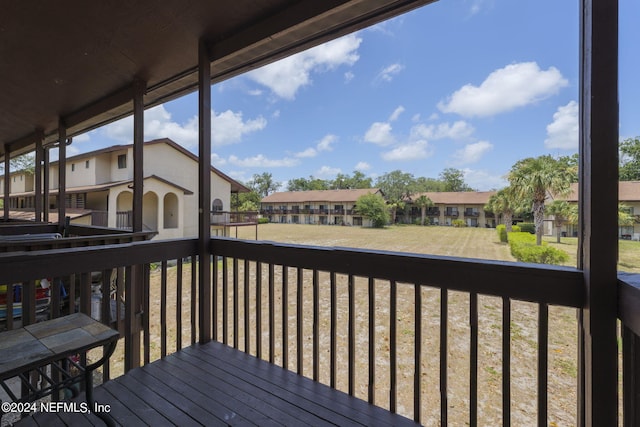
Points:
(505, 89)
(327, 172)
(410, 151)
(260, 161)
(308, 153)
(217, 161)
(287, 76)
(483, 180)
(255, 92)
(227, 127)
(563, 132)
(380, 134)
(458, 130)
(362, 166)
(396, 113)
(348, 76)
(388, 73)
(472, 153)
(325, 143)
(434, 116)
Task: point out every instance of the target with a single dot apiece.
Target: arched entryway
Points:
(170, 210)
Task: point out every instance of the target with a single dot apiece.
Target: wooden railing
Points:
(629, 315)
(228, 218)
(333, 314)
(378, 325)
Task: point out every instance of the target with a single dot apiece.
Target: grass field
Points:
(464, 242)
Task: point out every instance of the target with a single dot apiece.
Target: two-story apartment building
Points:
(99, 188)
(329, 207)
(449, 206)
(629, 197)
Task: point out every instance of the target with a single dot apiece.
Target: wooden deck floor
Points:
(213, 384)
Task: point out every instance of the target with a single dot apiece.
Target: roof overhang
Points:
(77, 63)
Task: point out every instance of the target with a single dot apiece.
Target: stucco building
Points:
(328, 207)
(99, 189)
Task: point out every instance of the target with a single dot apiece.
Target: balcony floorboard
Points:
(213, 384)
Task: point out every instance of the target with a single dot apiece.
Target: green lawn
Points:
(464, 242)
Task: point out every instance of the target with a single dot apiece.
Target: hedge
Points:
(502, 232)
(523, 248)
(529, 227)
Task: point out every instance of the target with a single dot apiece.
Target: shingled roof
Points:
(350, 195)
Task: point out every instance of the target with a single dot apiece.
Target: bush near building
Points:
(523, 248)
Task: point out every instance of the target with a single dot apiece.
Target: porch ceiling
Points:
(60, 58)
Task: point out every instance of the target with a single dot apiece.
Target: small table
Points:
(34, 347)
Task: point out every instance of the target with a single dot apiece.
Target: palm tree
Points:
(423, 202)
(394, 206)
(534, 177)
(504, 203)
(562, 213)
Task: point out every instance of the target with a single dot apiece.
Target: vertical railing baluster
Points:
(334, 330)
(444, 404)
(316, 327)
(147, 313)
(163, 310)
(194, 291)
(506, 361)
(352, 335)
(543, 362)
(272, 315)
(372, 341)
(285, 317)
(417, 354)
(393, 355)
(473, 368)
(247, 309)
(259, 310)
(215, 270)
(9, 305)
(72, 294)
(631, 377)
(179, 304)
(236, 302)
(225, 300)
(55, 297)
(299, 323)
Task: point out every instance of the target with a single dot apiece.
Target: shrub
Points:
(458, 223)
(515, 228)
(501, 229)
(263, 220)
(523, 248)
(528, 227)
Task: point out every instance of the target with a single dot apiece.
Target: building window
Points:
(122, 161)
(216, 205)
(73, 167)
(86, 164)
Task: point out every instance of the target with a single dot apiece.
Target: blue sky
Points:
(470, 84)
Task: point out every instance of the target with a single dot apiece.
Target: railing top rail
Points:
(527, 282)
(629, 300)
(22, 266)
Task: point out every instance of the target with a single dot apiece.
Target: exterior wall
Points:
(20, 183)
(79, 175)
(165, 161)
(153, 207)
(314, 213)
(118, 174)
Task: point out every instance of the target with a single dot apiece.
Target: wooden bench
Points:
(51, 343)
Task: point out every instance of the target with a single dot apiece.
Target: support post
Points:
(46, 183)
(204, 193)
(7, 180)
(599, 208)
(62, 175)
(37, 172)
(138, 157)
